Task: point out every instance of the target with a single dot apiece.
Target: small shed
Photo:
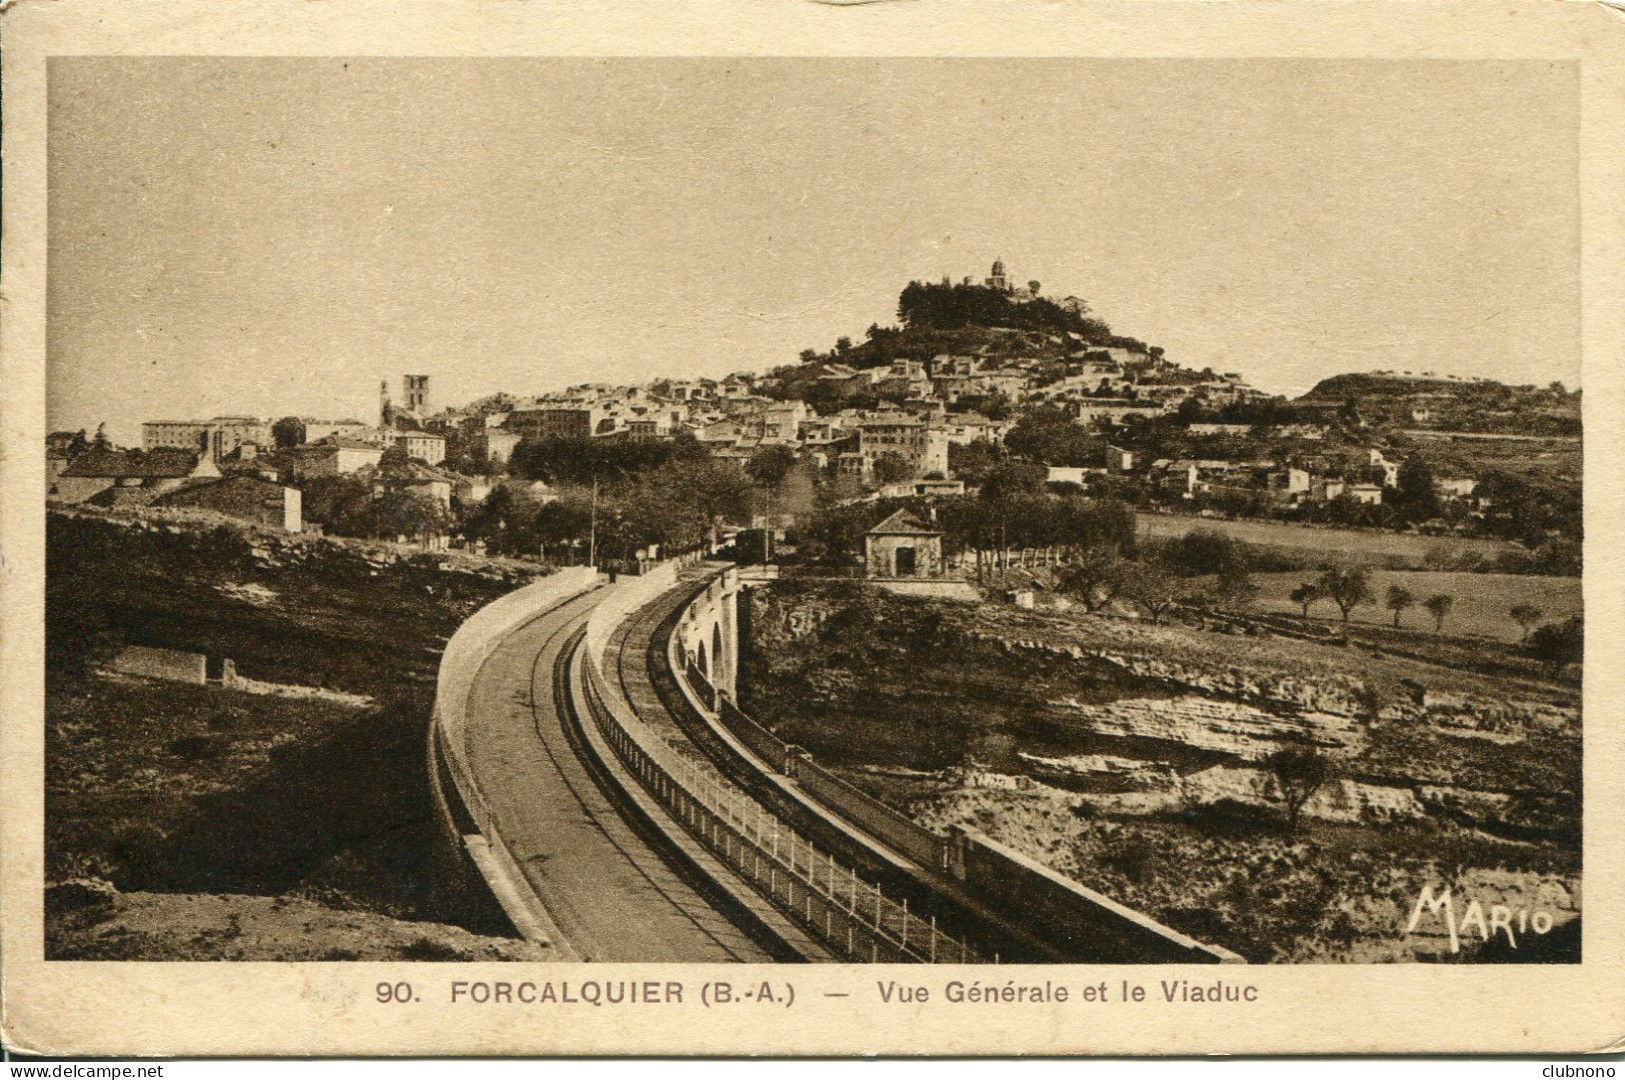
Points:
(902, 547)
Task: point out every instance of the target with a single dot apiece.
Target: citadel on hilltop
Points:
(999, 281)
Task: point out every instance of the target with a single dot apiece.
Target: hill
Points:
(1439, 403)
(1000, 327)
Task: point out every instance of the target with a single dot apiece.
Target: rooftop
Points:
(903, 523)
(165, 463)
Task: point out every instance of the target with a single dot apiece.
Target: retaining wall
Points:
(1085, 924)
(868, 813)
(464, 655)
(1093, 927)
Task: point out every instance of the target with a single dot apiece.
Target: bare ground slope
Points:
(1130, 755)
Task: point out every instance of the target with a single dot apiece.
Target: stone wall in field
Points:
(150, 663)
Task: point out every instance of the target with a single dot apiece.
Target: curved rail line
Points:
(568, 725)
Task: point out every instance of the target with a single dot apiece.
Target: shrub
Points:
(1132, 857)
(1299, 772)
(196, 747)
(1559, 644)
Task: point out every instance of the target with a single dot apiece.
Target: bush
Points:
(1204, 552)
(1559, 644)
(1299, 772)
(1133, 858)
(196, 747)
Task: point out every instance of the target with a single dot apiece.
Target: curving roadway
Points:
(610, 893)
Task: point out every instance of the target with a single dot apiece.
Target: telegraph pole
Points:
(592, 531)
(767, 523)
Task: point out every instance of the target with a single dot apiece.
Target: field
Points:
(1369, 546)
(1539, 460)
(1482, 600)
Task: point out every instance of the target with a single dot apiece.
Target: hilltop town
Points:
(1155, 589)
(978, 377)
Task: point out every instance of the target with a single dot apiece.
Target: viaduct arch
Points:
(709, 632)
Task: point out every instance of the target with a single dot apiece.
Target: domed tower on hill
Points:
(998, 280)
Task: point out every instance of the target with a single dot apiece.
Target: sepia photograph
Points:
(798, 529)
(825, 510)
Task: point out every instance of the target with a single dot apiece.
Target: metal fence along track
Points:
(852, 916)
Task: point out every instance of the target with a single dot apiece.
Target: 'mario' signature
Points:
(1500, 919)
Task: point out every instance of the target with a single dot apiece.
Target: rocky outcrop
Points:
(1228, 727)
(1326, 697)
(1331, 694)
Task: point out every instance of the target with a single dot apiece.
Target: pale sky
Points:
(272, 237)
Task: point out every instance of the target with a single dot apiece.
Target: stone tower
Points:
(998, 280)
(416, 392)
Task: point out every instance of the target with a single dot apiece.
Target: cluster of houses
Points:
(167, 476)
(1289, 485)
(895, 438)
(252, 468)
(925, 405)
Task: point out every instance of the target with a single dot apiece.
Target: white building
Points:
(336, 458)
(421, 445)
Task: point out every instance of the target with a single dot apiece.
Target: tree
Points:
(1559, 644)
(1096, 578)
(1414, 490)
(1399, 598)
(1439, 605)
(393, 460)
(971, 461)
(1010, 481)
(340, 504)
(1154, 587)
(1033, 287)
(102, 442)
(892, 468)
(1299, 772)
(564, 525)
(1527, 616)
(490, 519)
(1235, 588)
(1049, 436)
(1201, 552)
(288, 431)
(1348, 589)
(1306, 594)
(769, 465)
(400, 512)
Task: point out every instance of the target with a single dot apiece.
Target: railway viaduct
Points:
(592, 769)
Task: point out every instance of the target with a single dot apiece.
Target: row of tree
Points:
(1552, 642)
(1350, 589)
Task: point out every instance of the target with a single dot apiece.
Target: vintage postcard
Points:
(737, 528)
